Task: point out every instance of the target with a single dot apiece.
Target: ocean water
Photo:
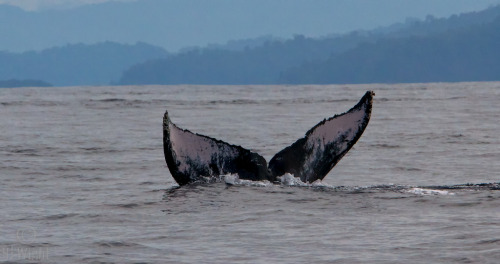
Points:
(83, 177)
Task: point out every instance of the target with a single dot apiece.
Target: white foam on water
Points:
(231, 179)
(234, 179)
(421, 191)
(288, 179)
(320, 183)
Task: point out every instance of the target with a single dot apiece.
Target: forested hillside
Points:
(469, 54)
(258, 65)
(459, 48)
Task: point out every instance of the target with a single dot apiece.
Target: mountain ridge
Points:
(302, 59)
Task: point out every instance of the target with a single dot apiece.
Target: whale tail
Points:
(190, 157)
(313, 156)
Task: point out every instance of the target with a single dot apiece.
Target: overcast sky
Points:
(32, 5)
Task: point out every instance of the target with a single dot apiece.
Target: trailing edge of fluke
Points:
(191, 157)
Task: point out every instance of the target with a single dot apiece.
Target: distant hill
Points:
(77, 64)
(362, 56)
(432, 25)
(23, 83)
(259, 65)
(467, 54)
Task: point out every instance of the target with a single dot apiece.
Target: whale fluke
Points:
(191, 156)
(312, 157)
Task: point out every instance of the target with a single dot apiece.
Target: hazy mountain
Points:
(345, 58)
(467, 54)
(239, 44)
(433, 25)
(174, 24)
(77, 64)
(258, 65)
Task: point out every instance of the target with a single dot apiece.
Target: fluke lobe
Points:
(191, 157)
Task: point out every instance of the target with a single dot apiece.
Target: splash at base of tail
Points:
(191, 156)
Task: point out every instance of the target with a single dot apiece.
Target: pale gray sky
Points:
(32, 5)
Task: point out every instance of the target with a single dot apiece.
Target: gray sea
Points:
(83, 177)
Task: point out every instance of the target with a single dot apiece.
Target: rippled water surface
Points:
(83, 178)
